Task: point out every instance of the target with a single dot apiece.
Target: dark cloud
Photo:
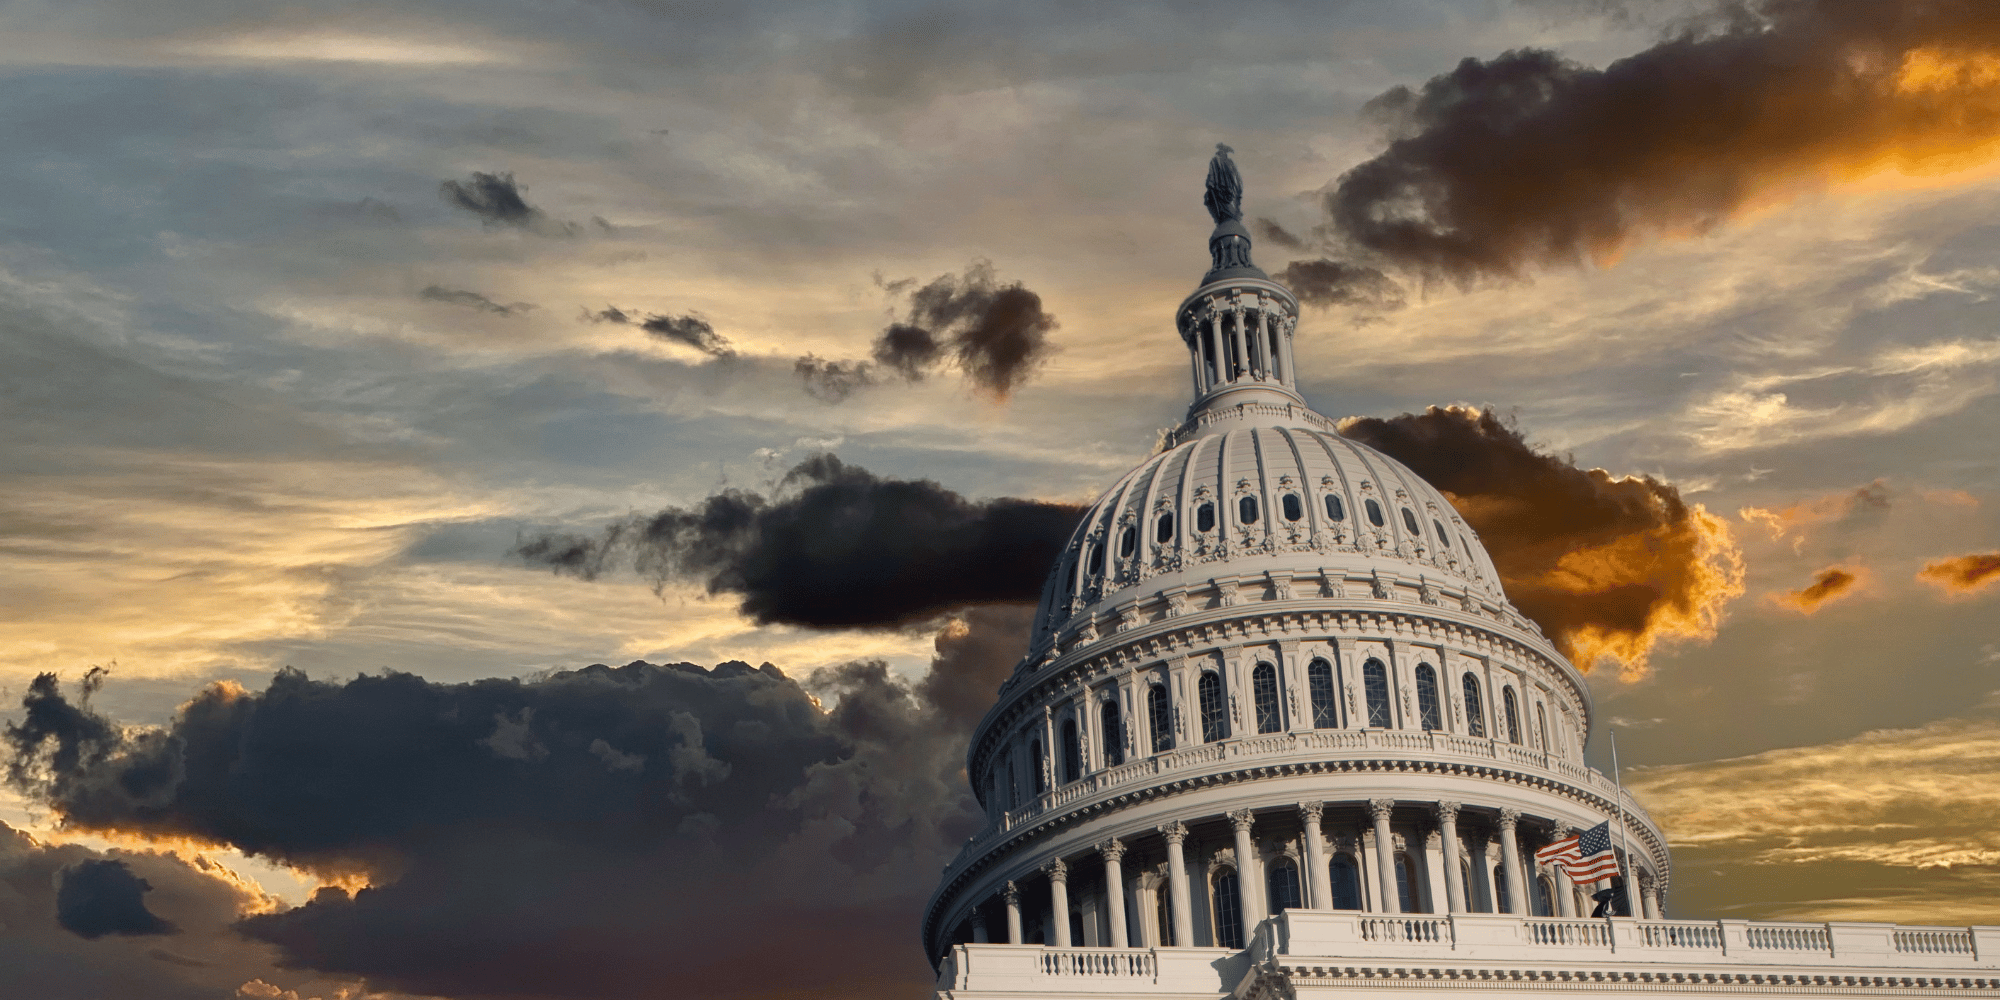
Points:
(834, 547)
(1829, 584)
(833, 381)
(603, 832)
(688, 331)
(1529, 160)
(473, 300)
(1963, 574)
(1330, 283)
(495, 198)
(1608, 566)
(995, 334)
(102, 897)
(1269, 229)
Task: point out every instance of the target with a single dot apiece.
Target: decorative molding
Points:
(1380, 810)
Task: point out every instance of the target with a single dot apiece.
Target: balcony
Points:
(1329, 948)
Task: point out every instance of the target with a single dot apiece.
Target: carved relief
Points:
(1381, 587)
(1428, 592)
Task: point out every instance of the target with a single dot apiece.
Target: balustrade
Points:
(1567, 933)
(1681, 935)
(1132, 963)
(1784, 937)
(1406, 930)
(1933, 942)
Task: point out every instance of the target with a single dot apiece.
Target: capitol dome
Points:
(1273, 668)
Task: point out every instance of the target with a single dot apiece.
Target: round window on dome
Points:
(1410, 522)
(1335, 510)
(1293, 508)
(1374, 512)
(1442, 537)
(1128, 542)
(1095, 564)
(1164, 533)
(1204, 517)
(1246, 510)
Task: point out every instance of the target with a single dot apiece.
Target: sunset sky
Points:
(311, 316)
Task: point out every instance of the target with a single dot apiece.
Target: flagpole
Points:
(1618, 779)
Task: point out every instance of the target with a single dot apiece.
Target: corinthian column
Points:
(1177, 885)
(1565, 889)
(1012, 893)
(978, 927)
(1316, 882)
(1058, 874)
(1385, 854)
(1510, 863)
(1114, 888)
(1246, 882)
(1454, 879)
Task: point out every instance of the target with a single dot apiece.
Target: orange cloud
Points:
(1829, 585)
(1962, 575)
(1819, 510)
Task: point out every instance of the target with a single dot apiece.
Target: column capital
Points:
(1113, 850)
(1309, 812)
(1447, 812)
(1011, 893)
(1056, 870)
(1510, 818)
(1380, 809)
(1564, 829)
(1241, 820)
(1175, 831)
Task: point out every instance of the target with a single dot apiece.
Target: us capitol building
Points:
(1280, 733)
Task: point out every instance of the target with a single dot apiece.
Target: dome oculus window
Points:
(1246, 510)
(1095, 565)
(1128, 542)
(1293, 508)
(1204, 517)
(1443, 539)
(1163, 532)
(1374, 513)
(1410, 522)
(1335, 510)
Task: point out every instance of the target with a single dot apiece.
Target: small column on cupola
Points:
(1238, 325)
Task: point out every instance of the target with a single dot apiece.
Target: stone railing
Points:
(1284, 748)
(1344, 934)
(1125, 963)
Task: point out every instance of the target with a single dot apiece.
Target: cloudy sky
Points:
(437, 350)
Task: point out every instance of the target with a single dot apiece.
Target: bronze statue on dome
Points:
(1225, 187)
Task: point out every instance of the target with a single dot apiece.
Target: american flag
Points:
(1586, 857)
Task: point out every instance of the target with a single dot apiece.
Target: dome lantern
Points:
(1238, 325)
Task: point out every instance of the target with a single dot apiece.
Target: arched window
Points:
(1159, 717)
(1281, 880)
(1204, 517)
(1346, 883)
(1128, 542)
(1501, 904)
(1228, 910)
(1246, 510)
(1475, 710)
(1163, 530)
(1113, 730)
(1544, 900)
(1335, 510)
(1293, 508)
(1406, 883)
(1209, 691)
(1375, 677)
(1264, 689)
(1410, 522)
(1513, 715)
(1035, 765)
(1163, 918)
(1465, 879)
(1443, 539)
(1374, 512)
(1095, 564)
(1428, 709)
(1542, 726)
(1072, 753)
(1319, 682)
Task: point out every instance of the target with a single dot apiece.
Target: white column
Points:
(1632, 885)
(1215, 337)
(1650, 894)
(1565, 889)
(1236, 332)
(1454, 882)
(1510, 861)
(1246, 873)
(1058, 874)
(1194, 345)
(1013, 896)
(1316, 874)
(1177, 885)
(1385, 854)
(1114, 889)
(978, 927)
(1266, 330)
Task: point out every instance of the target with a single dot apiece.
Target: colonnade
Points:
(1237, 339)
(1440, 820)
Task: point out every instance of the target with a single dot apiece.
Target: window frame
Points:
(1214, 723)
(1264, 699)
(1325, 697)
(1374, 681)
